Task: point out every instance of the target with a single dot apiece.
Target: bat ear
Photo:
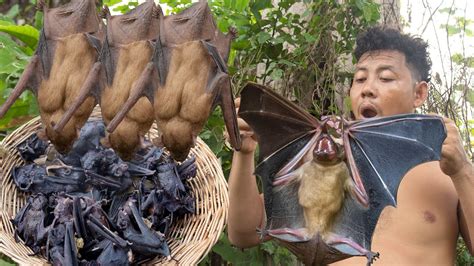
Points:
(421, 93)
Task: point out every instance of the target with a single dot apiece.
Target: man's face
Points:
(383, 85)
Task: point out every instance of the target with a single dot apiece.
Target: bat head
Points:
(196, 23)
(64, 208)
(38, 202)
(328, 149)
(140, 23)
(25, 176)
(78, 16)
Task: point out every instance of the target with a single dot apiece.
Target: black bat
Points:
(326, 181)
(144, 241)
(30, 222)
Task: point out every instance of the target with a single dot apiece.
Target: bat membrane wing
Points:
(276, 121)
(384, 150)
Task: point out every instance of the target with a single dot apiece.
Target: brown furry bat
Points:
(193, 79)
(129, 40)
(125, 56)
(64, 62)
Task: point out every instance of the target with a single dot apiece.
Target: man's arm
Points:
(246, 211)
(454, 163)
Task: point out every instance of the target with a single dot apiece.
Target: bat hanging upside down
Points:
(71, 33)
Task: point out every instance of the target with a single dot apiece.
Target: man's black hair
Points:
(414, 48)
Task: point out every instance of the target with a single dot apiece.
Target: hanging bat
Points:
(65, 61)
(193, 79)
(326, 181)
(126, 61)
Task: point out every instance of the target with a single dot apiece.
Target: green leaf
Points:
(6, 22)
(263, 36)
(258, 5)
(445, 10)
(227, 252)
(240, 5)
(469, 33)
(12, 58)
(26, 33)
(470, 97)
(111, 2)
(457, 58)
(13, 12)
(276, 74)
(286, 62)
(309, 38)
(38, 20)
(452, 30)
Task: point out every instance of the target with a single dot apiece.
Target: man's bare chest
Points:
(426, 211)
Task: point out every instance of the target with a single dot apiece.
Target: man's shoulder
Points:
(431, 169)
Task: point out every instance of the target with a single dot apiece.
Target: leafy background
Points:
(305, 55)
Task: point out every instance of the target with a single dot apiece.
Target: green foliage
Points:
(122, 8)
(6, 261)
(267, 253)
(463, 256)
(298, 53)
(17, 44)
(452, 92)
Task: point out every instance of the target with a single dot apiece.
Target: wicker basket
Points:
(191, 238)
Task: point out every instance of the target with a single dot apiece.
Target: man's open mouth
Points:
(368, 111)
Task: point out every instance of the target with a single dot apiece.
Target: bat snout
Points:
(326, 151)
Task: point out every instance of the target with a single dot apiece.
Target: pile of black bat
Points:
(89, 207)
(139, 67)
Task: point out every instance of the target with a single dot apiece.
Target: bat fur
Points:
(56, 94)
(321, 194)
(182, 106)
(132, 60)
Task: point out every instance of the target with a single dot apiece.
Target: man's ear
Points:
(421, 93)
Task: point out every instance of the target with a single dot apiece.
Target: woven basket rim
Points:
(191, 238)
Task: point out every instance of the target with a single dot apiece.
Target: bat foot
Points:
(348, 246)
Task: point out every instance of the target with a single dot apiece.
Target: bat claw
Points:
(233, 32)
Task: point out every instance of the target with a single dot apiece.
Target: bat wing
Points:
(276, 122)
(284, 132)
(381, 152)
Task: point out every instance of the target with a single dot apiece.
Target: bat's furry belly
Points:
(72, 61)
(132, 60)
(321, 194)
(183, 105)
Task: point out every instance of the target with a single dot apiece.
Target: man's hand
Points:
(249, 141)
(454, 161)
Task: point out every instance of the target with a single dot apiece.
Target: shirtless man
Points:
(435, 199)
